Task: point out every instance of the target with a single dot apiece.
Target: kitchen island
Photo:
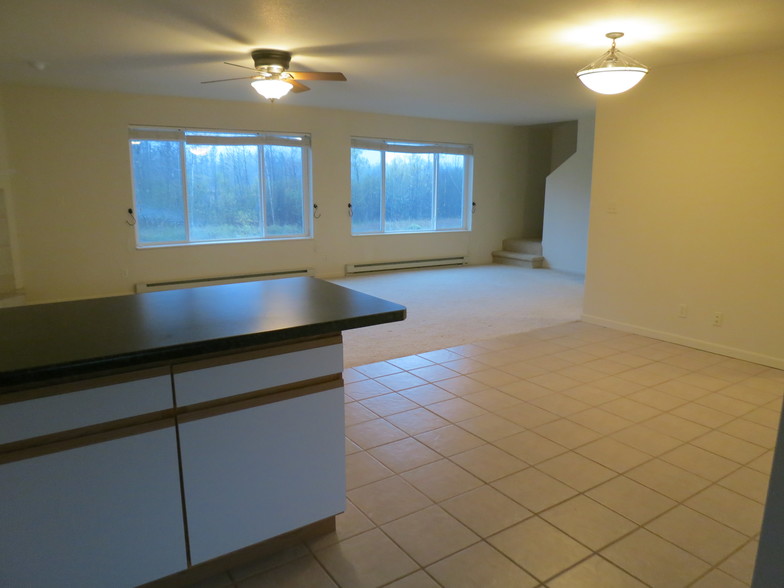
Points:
(159, 437)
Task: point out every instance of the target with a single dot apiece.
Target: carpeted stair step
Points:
(518, 258)
(532, 246)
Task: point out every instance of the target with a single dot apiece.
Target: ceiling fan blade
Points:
(229, 79)
(296, 86)
(242, 66)
(334, 76)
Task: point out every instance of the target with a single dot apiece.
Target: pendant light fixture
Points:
(614, 72)
(271, 88)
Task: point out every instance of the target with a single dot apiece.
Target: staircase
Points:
(521, 252)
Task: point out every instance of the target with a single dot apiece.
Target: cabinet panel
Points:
(256, 473)
(102, 515)
(212, 383)
(91, 406)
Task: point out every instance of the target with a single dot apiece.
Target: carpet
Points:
(455, 306)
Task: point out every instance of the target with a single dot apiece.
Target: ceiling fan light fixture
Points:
(614, 72)
(271, 89)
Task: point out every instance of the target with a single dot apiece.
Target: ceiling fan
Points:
(272, 78)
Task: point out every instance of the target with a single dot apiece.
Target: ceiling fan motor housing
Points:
(271, 59)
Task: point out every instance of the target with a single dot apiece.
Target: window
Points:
(194, 186)
(408, 187)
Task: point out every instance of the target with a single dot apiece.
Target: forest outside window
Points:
(409, 187)
(196, 186)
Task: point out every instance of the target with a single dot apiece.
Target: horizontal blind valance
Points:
(209, 138)
(410, 146)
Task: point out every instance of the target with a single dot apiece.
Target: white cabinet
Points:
(259, 472)
(106, 514)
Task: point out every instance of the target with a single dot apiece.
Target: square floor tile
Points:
(388, 404)
(417, 421)
(613, 454)
(426, 394)
(410, 362)
(434, 373)
(485, 510)
(533, 489)
(356, 413)
(488, 463)
(718, 579)
(362, 468)
(492, 400)
(729, 508)
(368, 560)
(364, 389)
(430, 534)
(647, 440)
(450, 440)
(758, 427)
(560, 404)
(539, 548)
(418, 579)
(577, 471)
(441, 480)
(404, 455)
(374, 433)
(461, 385)
(589, 522)
(480, 565)
(595, 572)
(740, 564)
(631, 410)
(725, 445)
(667, 479)
(456, 409)
(701, 462)
(702, 415)
(304, 572)
(749, 483)
(600, 421)
(630, 499)
(697, 534)
(388, 499)
(567, 433)
(677, 427)
(400, 381)
(347, 524)
(530, 447)
(529, 416)
(377, 369)
(655, 561)
(490, 427)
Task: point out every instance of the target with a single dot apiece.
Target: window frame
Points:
(424, 147)
(186, 136)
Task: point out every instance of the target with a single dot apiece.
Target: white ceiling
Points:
(504, 61)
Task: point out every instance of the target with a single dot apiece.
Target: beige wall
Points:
(687, 207)
(71, 188)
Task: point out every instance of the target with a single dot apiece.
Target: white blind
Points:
(200, 137)
(410, 146)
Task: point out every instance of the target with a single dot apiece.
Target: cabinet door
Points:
(107, 514)
(255, 473)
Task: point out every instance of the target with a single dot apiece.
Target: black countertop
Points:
(62, 341)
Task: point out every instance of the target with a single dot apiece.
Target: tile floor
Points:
(573, 456)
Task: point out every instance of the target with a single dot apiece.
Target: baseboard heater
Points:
(216, 280)
(360, 268)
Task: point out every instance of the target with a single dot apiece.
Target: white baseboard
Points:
(734, 352)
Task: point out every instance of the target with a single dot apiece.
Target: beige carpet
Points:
(454, 306)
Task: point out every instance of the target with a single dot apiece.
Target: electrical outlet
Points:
(718, 318)
(683, 311)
